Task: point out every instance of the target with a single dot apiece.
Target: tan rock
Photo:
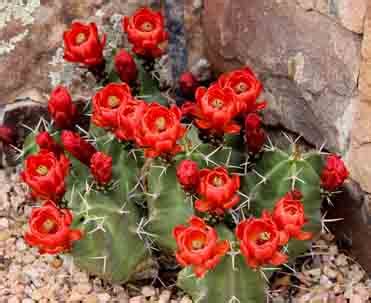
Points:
(352, 14)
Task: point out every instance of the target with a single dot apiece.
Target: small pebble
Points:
(4, 235)
(165, 296)
(103, 298)
(138, 299)
(148, 291)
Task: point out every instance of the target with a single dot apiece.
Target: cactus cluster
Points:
(195, 182)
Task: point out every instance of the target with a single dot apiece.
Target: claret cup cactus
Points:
(197, 181)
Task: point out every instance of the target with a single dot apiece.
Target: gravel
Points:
(26, 277)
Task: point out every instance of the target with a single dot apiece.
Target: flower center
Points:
(113, 101)
(48, 225)
(217, 182)
(80, 38)
(147, 27)
(217, 103)
(264, 237)
(240, 88)
(198, 244)
(160, 124)
(42, 170)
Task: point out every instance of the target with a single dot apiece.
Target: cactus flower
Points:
(146, 31)
(83, 45)
(125, 66)
(49, 229)
(218, 190)
(107, 102)
(7, 134)
(159, 130)
(246, 88)
(334, 173)
(45, 174)
(77, 146)
(188, 174)
(198, 246)
(45, 141)
(288, 214)
(188, 84)
(260, 241)
(254, 134)
(101, 168)
(61, 108)
(129, 116)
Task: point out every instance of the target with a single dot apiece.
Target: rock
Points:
(103, 298)
(4, 235)
(186, 299)
(56, 263)
(311, 88)
(165, 296)
(4, 223)
(148, 291)
(91, 299)
(14, 299)
(20, 245)
(138, 299)
(83, 289)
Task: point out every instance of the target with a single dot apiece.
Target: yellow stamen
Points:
(42, 170)
(147, 27)
(80, 38)
(48, 225)
(113, 101)
(218, 182)
(217, 103)
(197, 244)
(161, 124)
(240, 88)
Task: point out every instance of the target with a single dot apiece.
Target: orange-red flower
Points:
(260, 241)
(246, 88)
(7, 134)
(334, 173)
(254, 133)
(288, 214)
(159, 130)
(218, 190)
(214, 110)
(188, 174)
(129, 116)
(45, 141)
(45, 174)
(83, 45)
(61, 108)
(188, 84)
(146, 31)
(125, 66)
(106, 104)
(198, 246)
(77, 146)
(101, 168)
(49, 229)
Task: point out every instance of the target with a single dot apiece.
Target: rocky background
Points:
(313, 56)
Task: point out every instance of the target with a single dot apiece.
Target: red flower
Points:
(214, 110)
(218, 190)
(44, 173)
(254, 135)
(188, 174)
(129, 116)
(7, 134)
(288, 214)
(107, 102)
(61, 108)
(77, 147)
(49, 229)
(83, 45)
(260, 241)
(159, 130)
(188, 84)
(198, 246)
(101, 167)
(45, 141)
(146, 32)
(246, 88)
(125, 66)
(334, 173)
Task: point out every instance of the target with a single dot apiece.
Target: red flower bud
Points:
(246, 88)
(198, 246)
(7, 135)
(188, 174)
(146, 31)
(83, 45)
(260, 241)
(159, 130)
(77, 147)
(125, 66)
(334, 173)
(45, 141)
(288, 214)
(218, 190)
(101, 168)
(254, 135)
(49, 229)
(61, 108)
(44, 173)
(107, 102)
(188, 84)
